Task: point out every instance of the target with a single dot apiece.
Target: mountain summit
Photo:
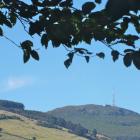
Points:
(116, 122)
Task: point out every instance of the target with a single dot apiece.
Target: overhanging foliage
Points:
(58, 22)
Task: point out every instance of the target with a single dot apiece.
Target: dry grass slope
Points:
(25, 129)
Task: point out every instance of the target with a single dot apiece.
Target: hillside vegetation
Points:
(16, 127)
(118, 123)
(46, 120)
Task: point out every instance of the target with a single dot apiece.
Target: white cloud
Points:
(13, 83)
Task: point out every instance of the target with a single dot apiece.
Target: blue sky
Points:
(47, 84)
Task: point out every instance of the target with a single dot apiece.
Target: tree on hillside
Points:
(1, 129)
(94, 133)
(34, 138)
(60, 23)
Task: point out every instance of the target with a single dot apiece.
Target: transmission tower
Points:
(114, 99)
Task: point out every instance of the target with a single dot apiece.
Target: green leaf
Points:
(115, 55)
(35, 55)
(2, 4)
(88, 7)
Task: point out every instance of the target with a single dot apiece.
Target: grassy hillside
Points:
(112, 121)
(16, 127)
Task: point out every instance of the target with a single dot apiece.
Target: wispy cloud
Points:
(13, 83)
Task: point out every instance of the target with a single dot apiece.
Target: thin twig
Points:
(22, 24)
(66, 48)
(109, 46)
(11, 41)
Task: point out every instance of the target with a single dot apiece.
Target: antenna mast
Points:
(114, 100)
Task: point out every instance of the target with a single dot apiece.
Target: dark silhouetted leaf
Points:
(13, 18)
(36, 28)
(66, 3)
(35, 55)
(27, 44)
(124, 25)
(101, 55)
(44, 40)
(71, 55)
(59, 22)
(136, 59)
(88, 7)
(56, 43)
(87, 59)
(98, 1)
(128, 50)
(26, 56)
(115, 55)
(1, 32)
(67, 63)
(128, 59)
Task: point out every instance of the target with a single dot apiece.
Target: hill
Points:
(118, 123)
(48, 121)
(16, 127)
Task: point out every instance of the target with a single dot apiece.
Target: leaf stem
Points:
(11, 41)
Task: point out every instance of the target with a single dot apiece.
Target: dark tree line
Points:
(54, 122)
